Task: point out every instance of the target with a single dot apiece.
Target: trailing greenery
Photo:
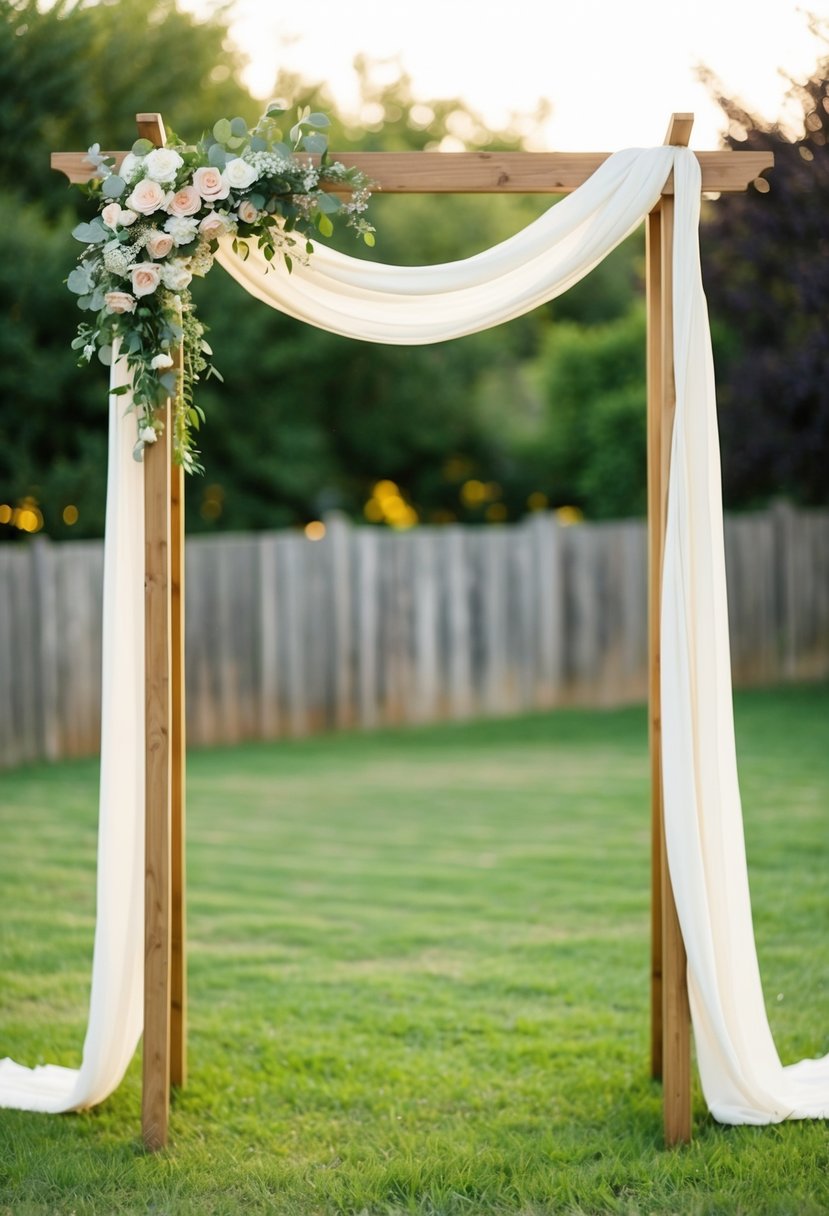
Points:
(139, 260)
(418, 978)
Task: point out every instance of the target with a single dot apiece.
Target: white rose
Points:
(148, 196)
(161, 362)
(162, 164)
(130, 166)
(239, 174)
(146, 277)
(147, 435)
(182, 228)
(175, 275)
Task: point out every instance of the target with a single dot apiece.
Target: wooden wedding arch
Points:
(165, 981)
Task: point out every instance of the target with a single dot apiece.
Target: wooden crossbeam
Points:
(492, 172)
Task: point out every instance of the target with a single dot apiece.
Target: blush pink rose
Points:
(213, 226)
(246, 211)
(146, 277)
(119, 301)
(159, 244)
(210, 184)
(185, 201)
(147, 197)
(111, 215)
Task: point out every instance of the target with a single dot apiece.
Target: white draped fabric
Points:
(742, 1077)
(116, 1012)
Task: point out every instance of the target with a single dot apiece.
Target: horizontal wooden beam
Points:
(492, 172)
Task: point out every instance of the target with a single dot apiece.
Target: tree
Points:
(70, 74)
(766, 268)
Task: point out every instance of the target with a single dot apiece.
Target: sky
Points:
(613, 71)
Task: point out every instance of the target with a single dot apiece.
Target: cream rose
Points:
(185, 201)
(162, 164)
(147, 434)
(129, 167)
(246, 211)
(147, 197)
(161, 362)
(175, 275)
(159, 244)
(146, 277)
(111, 215)
(127, 217)
(119, 301)
(213, 226)
(210, 184)
(239, 174)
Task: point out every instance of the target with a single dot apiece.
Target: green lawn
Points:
(418, 977)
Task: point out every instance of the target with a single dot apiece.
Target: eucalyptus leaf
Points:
(328, 204)
(142, 146)
(258, 201)
(89, 234)
(217, 156)
(222, 130)
(318, 120)
(97, 301)
(274, 111)
(258, 144)
(105, 355)
(113, 187)
(84, 303)
(79, 281)
(238, 126)
(315, 143)
(235, 142)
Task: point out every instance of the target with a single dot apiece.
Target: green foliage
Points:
(316, 420)
(767, 280)
(589, 446)
(418, 978)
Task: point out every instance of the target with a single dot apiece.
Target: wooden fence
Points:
(369, 627)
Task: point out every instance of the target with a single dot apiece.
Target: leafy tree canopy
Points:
(766, 267)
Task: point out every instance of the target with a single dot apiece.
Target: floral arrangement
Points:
(160, 217)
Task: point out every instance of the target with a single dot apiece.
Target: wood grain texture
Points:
(155, 1105)
(491, 172)
(178, 917)
(670, 1016)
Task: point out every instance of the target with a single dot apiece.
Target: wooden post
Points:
(155, 1104)
(165, 986)
(670, 1017)
(178, 926)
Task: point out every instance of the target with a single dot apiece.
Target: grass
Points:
(418, 978)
